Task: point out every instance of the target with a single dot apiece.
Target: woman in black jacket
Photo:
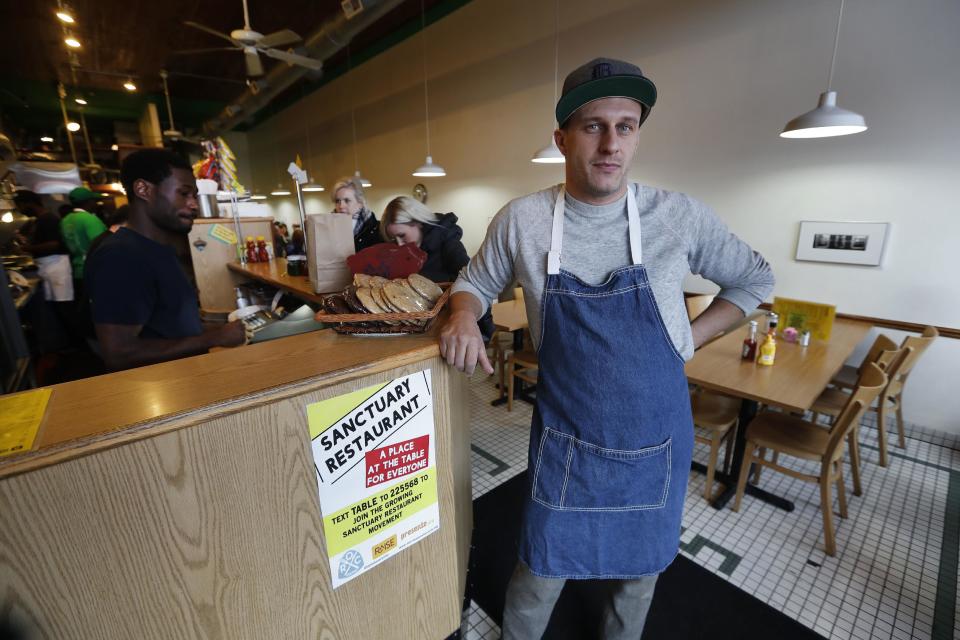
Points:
(438, 235)
(406, 220)
(348, 198)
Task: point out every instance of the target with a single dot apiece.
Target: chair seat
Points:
(830, 402)
(789, 434)
(846, 377)
(714, 411)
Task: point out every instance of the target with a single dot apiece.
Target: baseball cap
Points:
(82, 194)
(605, 78)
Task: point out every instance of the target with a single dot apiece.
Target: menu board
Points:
(374, 452)
(805, 316)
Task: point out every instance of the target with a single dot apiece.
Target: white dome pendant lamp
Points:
(827, 119)
(428, 169)
(550, 154)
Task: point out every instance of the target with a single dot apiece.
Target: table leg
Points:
(520, 390)
(748, 409)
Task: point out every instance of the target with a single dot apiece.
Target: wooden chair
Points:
(786, 434)
(919, 344)
(523, 365)
(832, 400)
(717, 414)
(501, 343)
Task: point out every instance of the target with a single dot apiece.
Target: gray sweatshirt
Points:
(679, 235)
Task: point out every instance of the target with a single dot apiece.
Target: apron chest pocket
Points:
(574, 475)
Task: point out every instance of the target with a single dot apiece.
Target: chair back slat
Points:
(881, 344)
(871, 383)
(918, 344)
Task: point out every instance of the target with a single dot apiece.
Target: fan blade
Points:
(278, 39)
(252, 60)
(213, 32)
(183, 52)
(293, 58)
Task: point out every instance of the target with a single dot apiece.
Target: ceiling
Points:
(137, 38)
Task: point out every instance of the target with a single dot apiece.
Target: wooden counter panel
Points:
(95, 413)
(215, 532)
(275, 274)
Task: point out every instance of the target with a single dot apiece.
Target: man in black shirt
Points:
(144, 308)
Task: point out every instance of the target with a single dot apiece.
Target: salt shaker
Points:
(805, 338)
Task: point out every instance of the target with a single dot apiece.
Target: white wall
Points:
(730, 73)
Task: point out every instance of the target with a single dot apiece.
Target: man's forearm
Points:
(715, 319)
(144, 351)
(464, 302)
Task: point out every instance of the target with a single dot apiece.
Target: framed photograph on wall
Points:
(844, 242)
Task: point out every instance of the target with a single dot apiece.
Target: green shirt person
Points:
(79, 228)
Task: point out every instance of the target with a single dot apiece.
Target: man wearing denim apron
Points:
(602, 263)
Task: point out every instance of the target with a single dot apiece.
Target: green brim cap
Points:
(605, 78)
(82, 194)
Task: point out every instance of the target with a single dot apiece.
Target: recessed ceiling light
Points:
(80, 101)
(46, 139)
(114, 147)
(72, 42)
(73, 126)
(129, 86)
(65, 16)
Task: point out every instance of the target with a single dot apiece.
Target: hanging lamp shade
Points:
(429, 170)
(311, 187)
(363, 181)
(826, 120)
(549, 154)
(280, 191)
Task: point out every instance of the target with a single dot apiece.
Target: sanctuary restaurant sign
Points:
(376, 472)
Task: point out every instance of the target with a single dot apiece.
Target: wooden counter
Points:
(180, 500)
(275, 274)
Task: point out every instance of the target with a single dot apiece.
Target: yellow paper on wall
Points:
(22, 414)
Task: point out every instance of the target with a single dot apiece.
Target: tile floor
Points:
(894, 576)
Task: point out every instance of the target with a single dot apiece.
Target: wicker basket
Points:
(376, 323)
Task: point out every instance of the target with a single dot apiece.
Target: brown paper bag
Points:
(329, 244)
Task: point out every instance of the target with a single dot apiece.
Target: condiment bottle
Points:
(262, 255)
(750, 342)
(252, 250)
(768, 350)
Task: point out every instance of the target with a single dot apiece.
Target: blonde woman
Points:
(348, 198)
(406, 220)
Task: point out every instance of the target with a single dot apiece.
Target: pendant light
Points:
(428, 169)
(172, 132)
(827, 119)
(280, 191)
(551, 154)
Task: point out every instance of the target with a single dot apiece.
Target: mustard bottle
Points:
(768, 350)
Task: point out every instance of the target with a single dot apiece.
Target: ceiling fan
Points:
(253, 43)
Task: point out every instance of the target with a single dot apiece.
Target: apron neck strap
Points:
(556, 235)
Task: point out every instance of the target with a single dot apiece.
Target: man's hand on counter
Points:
(232, 334)
(460, 340)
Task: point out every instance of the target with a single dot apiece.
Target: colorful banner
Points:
(374, 451)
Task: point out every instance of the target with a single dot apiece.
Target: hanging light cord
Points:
(353, 112)
(426, 98)
(556, 50)
(836, 44)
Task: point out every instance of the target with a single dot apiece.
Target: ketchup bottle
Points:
(262, 255)
(750, 342)
(252, 250)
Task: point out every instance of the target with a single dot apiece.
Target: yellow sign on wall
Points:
(805, 316)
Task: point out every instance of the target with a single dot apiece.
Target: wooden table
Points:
(512, 316)
(275, 274)
(792, 383)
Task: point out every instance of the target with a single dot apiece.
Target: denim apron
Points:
(612, 433)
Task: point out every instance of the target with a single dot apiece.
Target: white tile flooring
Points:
(881, 584)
